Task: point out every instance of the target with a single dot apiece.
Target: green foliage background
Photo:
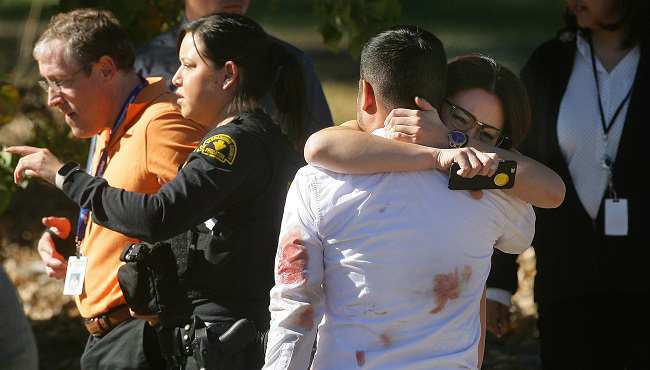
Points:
(9, 106)
(352, 20)
(359, 20)
(7, 164)
(143, 19)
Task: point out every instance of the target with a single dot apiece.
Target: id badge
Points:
(615, 217)
(74, 276)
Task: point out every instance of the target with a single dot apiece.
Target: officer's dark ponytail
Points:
(290, 94)
(263, 65)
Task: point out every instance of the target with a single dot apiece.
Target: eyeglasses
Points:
(463, 120)
(56, 85)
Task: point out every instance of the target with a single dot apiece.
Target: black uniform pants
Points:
(131, 345)
(599, 331)
(250, 357)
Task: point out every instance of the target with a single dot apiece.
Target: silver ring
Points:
(494, 166)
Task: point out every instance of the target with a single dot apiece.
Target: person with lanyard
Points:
(589, 91)
(222, 212)
(86, 59)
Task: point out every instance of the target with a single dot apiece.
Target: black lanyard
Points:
(606, 127)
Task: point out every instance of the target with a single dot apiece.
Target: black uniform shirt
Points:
(237, 178)
(224, 176)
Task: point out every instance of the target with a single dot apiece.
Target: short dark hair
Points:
(89, 34)
(479, 72)
(263, 64)
(404, 62)
(634, 13)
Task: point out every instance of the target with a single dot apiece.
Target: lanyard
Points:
(606, 127)
(103, 159)
(607, 162)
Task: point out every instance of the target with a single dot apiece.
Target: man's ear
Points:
(368, 102)
(231, 72)
(107, 67)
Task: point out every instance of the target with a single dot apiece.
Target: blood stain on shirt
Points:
(361, 357)
(386, 340)
(303, 318)
(292, 259)
(448, 286)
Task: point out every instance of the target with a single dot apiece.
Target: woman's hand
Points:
(422, 126)
(472, 162)
(35, 162)
(152, 319)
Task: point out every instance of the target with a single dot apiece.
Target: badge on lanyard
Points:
(616, 217)
(615, 208)
(74, 276)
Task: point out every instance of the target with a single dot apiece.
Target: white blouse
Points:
(582, 140)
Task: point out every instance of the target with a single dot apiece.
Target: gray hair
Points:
(89, 34)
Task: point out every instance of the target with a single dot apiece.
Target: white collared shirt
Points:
(394, 264)
(579, 128)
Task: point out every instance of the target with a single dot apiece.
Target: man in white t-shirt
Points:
(389, 268)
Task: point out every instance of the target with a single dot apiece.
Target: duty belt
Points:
(100, 325)
(195, 340)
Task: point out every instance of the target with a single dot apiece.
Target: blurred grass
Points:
(342, 99)
(506, 30)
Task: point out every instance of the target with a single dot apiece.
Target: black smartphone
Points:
(503, 178)
(65, 247)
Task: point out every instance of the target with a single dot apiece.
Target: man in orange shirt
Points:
(87, 60)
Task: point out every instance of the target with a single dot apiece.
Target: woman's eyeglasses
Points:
(56, 85)
(463, 120)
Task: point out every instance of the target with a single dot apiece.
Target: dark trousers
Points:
(600, 331)
(249, 357)
(131, 345)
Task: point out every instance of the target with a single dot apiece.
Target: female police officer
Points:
(230, 192)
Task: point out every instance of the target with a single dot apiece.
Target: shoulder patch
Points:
(220, 147)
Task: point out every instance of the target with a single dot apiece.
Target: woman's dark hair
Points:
(262, 65)
(634, 13)
(479, 72)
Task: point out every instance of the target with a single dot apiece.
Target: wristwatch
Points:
(64, 172)
(457, 139)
